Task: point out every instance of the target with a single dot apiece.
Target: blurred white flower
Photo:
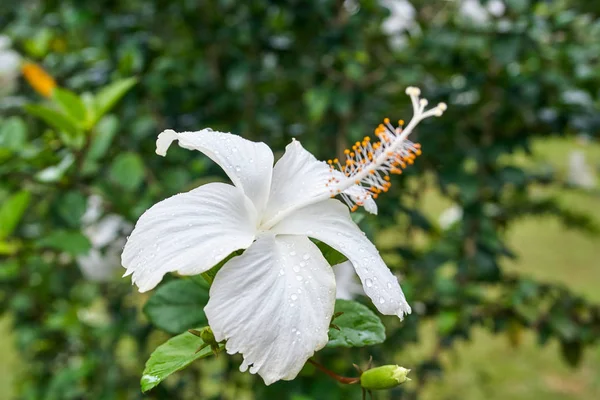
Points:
(580, 173)
(107, 236)
(274, 302)
(450, 216)
(473, 11)
(10, 64)
(401, 20)
(496, 7)
(477, 13)
(346, 284)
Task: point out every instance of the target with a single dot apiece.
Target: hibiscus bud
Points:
(385, 377)
(207, 336)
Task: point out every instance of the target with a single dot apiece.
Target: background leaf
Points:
(11, 211)
(178, 305)
(359, 326)
(70, 103)
(108, 96)
(170, 357)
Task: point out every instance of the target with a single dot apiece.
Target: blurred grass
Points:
(9, 364)
(488, 366)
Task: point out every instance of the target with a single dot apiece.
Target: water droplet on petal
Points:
(302, 264)
(369, 283)
(381, 300)
(292, 253)
(389, 285)
(294, 297)
(296, 268)
(306, 256)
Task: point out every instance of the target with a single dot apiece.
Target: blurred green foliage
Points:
(325, 72)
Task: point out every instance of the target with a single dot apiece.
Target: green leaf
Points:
(358, 325)
(317, 101)
(11, 212)
(332, 256)
(13, 134)
(72, 242)
(178, 305)
(54, 118)
(127, 171)
(71, 206)
(104, 133)
(70, 103)
(170, 357)
(108, 96)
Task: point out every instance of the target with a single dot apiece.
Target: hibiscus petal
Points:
(298, 177)
(248, 164)
(273, 304)
(329, 221)
(189, 233)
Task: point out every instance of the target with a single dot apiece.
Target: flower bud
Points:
(207, 336)
(385, 377)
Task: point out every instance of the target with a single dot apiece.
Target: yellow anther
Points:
(346, 151)
(329, 162)
(387, 178)
(401, 122)
(335, 160)
(386, 120)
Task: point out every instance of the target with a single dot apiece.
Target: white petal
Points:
(273, 304)
(346, 284)
(189, 233)
(360, 194)
(248, 164)
(297, 177)
(329, 221)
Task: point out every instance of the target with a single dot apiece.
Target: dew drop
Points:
(302, 264)
(238, 168)
(369, 283)
(281, 272)
(294, 297)
(296, 268)
(299, 277)
(292, 253)
(381, 300)
(306, 256)
(389, 285)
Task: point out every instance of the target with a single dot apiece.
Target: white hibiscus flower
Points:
(274, 302)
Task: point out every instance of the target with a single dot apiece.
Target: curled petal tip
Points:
(164, 140)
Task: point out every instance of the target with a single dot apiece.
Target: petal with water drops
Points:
(298, 177)
(329, 221)
(248, 164)
(189, 233)
(273, 304)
